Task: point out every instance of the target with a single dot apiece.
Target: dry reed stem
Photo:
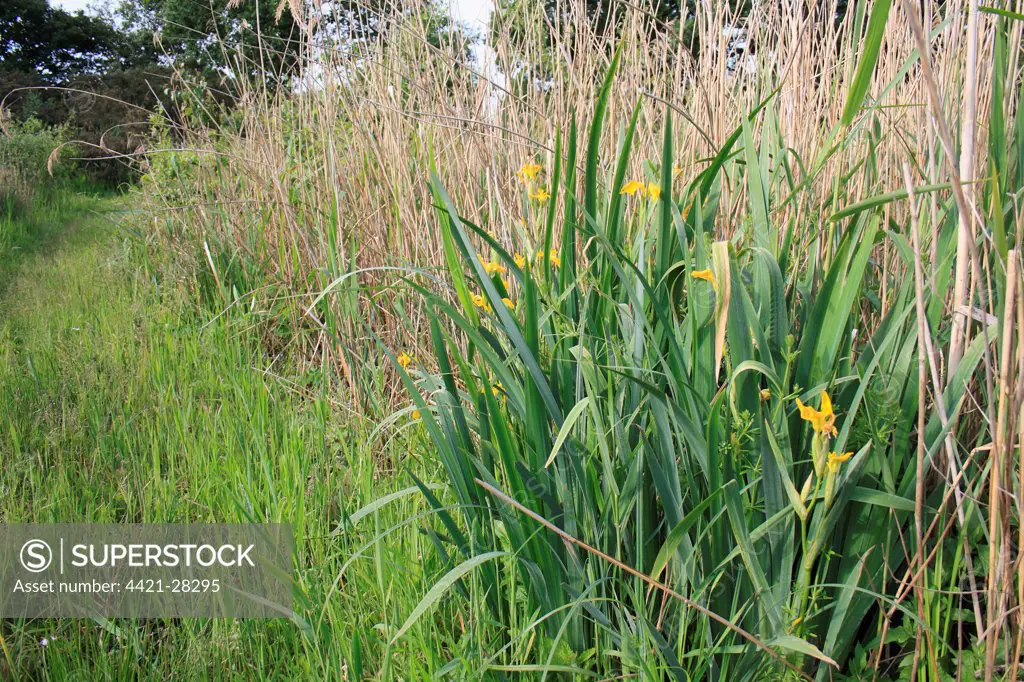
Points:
(1002, 445)
(922, 412)
(965, 236)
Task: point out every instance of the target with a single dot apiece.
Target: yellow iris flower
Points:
(520, 260)
(654, 191)
(497, 389)
(492, 267)
(528, 171)
(824, 420)
(404, 359)
(706, 275)
(835, 460)
(552, 256)
(632, 188)
(480, 301)
(541, 195)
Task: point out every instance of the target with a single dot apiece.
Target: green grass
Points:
(122, 401)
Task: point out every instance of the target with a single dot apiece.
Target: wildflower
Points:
(686, 210)
(44, 642)
(529, 171)
(504, 283)
(654, 191)
(416, 415)
(835, 460)
(552, 256)
(633, 187)
(705, 275)
(824, 420)
(492, 267)
(508, 303)
(540, 195)
(520, 260)
(480, 301)
(405, 360)
(497, 390)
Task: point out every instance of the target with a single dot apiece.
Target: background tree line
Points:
(99, 75)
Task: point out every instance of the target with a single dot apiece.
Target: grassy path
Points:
(121, 401)
(115, 406)
(119, 398)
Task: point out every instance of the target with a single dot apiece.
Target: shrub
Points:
(25, 149)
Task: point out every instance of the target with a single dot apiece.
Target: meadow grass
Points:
(124, 401)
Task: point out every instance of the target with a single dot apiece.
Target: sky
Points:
(70, 5)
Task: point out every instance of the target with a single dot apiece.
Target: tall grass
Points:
(331, 181)
(122, 401)
(608, 346)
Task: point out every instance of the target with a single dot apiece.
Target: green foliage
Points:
(263, 36)
(868, 57)
(647, 405)
(25, 148)
(623, 372)
(35, 37)
(84, 75)
(265, 41)
(605, 18)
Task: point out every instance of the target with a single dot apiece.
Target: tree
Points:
(88, 75)
(50, 42)
(210, 37)
(268, 39)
